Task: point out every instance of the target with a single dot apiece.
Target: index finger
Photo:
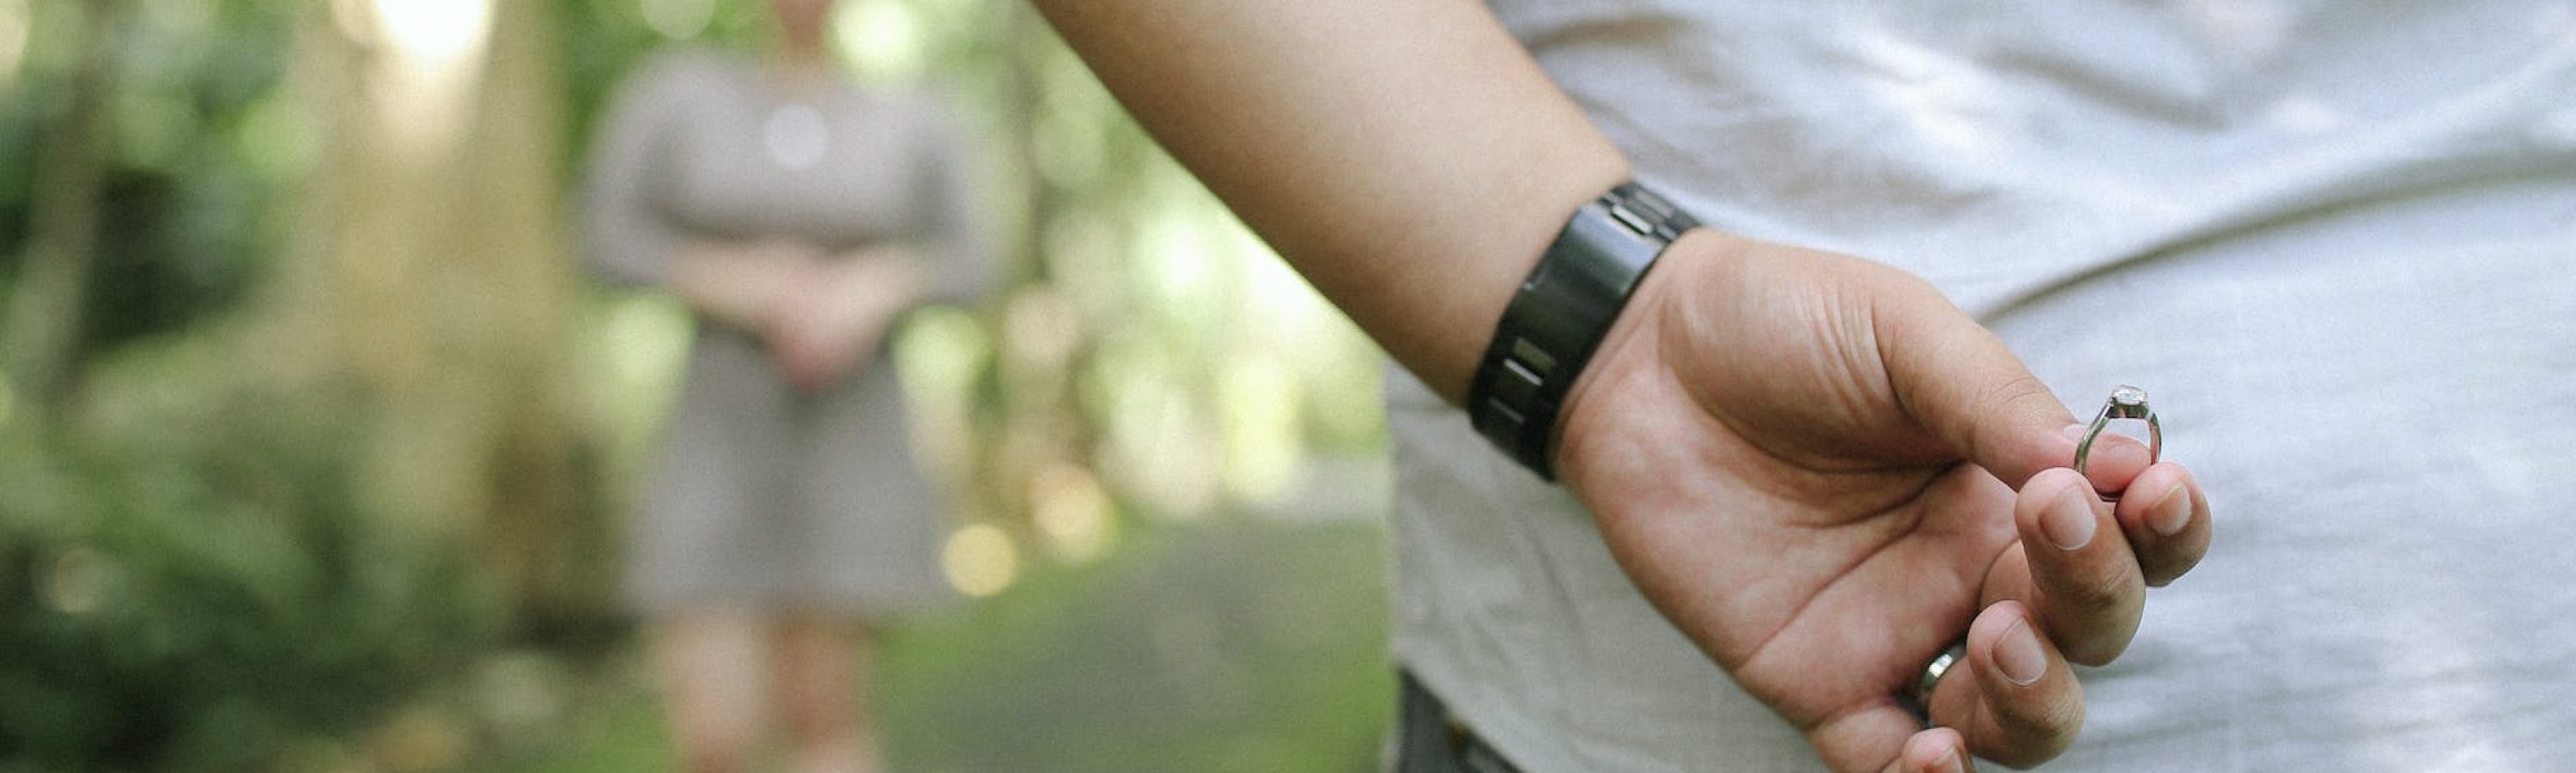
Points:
(1968, 389)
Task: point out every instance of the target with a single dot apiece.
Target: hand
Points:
(831, 324)
(1808, 463)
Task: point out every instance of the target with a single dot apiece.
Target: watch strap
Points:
(1558, 317)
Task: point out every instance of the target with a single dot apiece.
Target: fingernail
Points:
(2170, 513)
(2075, 432)
(1950, 762)
(2068, 522)
(2019, 654)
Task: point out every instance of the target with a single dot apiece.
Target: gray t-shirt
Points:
(2335, 241)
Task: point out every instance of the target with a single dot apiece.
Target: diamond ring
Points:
(2127, 402)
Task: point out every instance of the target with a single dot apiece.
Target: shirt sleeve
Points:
(626, 236)
(952, 236)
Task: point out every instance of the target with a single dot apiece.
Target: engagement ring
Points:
(2127, 402)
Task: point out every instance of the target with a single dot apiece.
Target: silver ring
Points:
(1918, 696)
(2126, 402)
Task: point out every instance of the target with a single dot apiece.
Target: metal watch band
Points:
(1560, 314)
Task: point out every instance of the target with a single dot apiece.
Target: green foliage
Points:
(191, 576)
(186, 580)
(188, 161)
(191, 584)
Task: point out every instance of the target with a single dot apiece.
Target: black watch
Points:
(1562, 311)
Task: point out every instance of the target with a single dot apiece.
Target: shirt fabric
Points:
(2335, 241)
(766, 497)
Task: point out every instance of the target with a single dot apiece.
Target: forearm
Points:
(743, 285)
(1406, 156)
(889, 276)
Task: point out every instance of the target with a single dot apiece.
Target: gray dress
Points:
(768, 498)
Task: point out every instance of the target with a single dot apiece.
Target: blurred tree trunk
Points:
(44, 325)
(546, 527)
(434, 280)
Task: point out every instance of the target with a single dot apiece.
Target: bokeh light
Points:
(13, 41)
(1073, 512)
(79, 581)
(421, 89)
(678, 19)
(980, 560)
(435, 34)
(1259, 396)
(881, 38)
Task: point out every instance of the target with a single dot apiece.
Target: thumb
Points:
(1960, 382)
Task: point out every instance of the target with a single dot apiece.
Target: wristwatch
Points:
(1548, 332)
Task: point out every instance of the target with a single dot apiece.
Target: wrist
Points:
(1631, 358)
(1549, 332)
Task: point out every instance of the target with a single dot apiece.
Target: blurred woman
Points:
(798, 216)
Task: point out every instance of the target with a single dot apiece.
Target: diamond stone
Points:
(2129, 397)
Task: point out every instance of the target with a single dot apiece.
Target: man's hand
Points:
(1824, 473)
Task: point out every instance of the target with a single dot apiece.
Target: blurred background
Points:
(316, 444)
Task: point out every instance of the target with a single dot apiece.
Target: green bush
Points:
(191, 583)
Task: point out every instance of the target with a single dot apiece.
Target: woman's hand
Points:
(834, 319)
(1825, 474)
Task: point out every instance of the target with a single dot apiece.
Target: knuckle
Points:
(2164, 572)
(2170, 561)
(2095, 650)
(2093, 629)
(2021, 388)
(2093, 592)
(2015, 390)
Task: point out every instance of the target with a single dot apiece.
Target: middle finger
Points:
(2079, 574)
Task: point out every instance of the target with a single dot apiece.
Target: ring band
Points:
(2126, 402)
(1918, 696)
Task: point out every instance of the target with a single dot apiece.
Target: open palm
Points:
(1822, 472)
